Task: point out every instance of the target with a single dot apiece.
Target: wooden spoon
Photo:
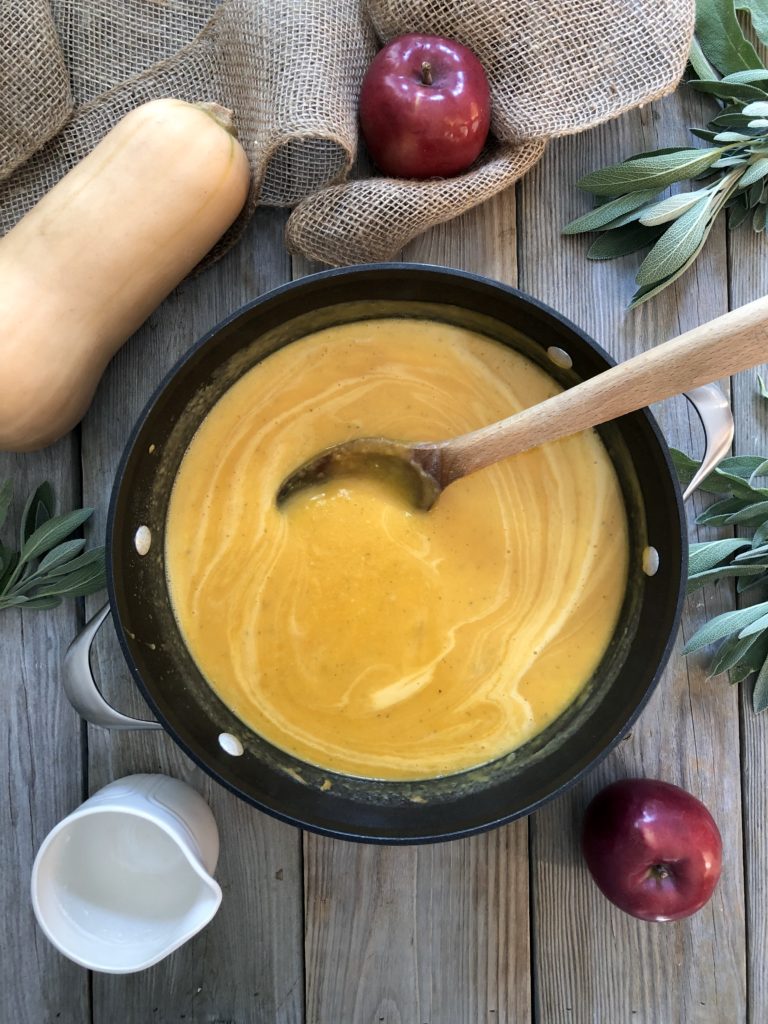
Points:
(733, 342)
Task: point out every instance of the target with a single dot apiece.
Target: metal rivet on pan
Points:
(559, 357)
(142, 540)
(231, 744)
(650, 561)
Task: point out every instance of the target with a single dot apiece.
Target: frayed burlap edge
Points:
(35, 96)
(371, 219)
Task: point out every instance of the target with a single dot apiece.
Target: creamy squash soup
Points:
(355, 632)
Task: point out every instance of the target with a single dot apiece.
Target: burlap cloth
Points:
(291, 72)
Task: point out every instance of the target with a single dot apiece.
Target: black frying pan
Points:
(352, 808)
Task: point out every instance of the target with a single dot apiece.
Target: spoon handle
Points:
(733, 342)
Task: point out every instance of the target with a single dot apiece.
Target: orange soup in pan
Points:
(355, 632)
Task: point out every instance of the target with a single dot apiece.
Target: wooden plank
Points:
(41, 758)
(749, 280)
(247, 965)
(418, 935)
(594, 963)
(435, 934)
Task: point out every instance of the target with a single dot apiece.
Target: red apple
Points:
(652, 848)
(425, 107)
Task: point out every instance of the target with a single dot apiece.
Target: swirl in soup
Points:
(357, 633)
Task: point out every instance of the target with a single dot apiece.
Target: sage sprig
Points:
(44, 566)
(741, 635)
(633, 211)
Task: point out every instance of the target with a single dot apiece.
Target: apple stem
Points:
(426, 73)
(661, 871)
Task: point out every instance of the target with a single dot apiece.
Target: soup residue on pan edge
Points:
(363, 636)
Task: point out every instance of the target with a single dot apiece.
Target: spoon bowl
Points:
(405, 466)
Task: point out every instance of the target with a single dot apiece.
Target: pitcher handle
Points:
(80, 686)
(714, 410)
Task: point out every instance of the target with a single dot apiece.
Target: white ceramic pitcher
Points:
(127, 877)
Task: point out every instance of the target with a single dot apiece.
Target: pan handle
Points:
(714, 410)
(80, 686)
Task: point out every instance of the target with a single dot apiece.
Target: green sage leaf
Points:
(757, 109)
(738, 215)
(763, 390)
(747, 77)
(732, 118)
(730, 161)
(740, 472)
(761, 552)
(717, 514)
(646, 292)
(758, 12)
(710, 553)
(730, 136)
(686, 468)
(732, 652)
(754, 172)
(48, 565)
(752, 513)
(622, 241)
(651, 172)
(60, 554)
(740, 467)
(755, 194)
(724, 90)
(61, 559)
(721, 39)
(741, 672)
(42, 602)
(609, 211)
(744, 583)
(758, 218)
(656, 152)
(723, 625)
(677, 244)
(29, 602)
(89, 558)
(671, 208)
(703, 133)
(754, 656)
(757, 626)
(39, 507)
(86, 580)
(702, 67)
(619, 222)
(53, 532)
(695, 581)
(761, 535)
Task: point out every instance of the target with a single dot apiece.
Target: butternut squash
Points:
(87, 265)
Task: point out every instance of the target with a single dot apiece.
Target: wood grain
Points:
(440, 934)
(435, 934)
(247, 966)
(748, 279)
(41, 763)
(594, 963)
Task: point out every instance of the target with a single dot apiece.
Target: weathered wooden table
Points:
(504, 927)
